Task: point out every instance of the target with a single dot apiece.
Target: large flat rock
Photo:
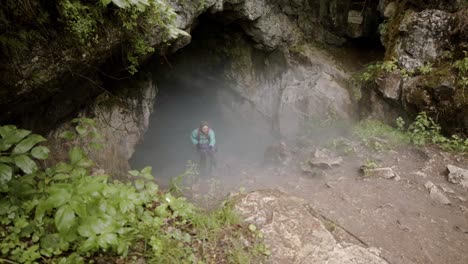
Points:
(293, 234)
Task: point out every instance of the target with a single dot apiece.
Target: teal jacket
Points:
(202, 139)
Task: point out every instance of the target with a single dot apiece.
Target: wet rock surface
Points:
(294, 235)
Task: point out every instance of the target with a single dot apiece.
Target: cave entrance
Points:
(192, 88)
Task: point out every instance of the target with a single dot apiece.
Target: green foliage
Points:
(18, 153)
(424, 130)
(373, 71)
(80, 24)
(375, 133)
(426, 68)
(462, 65)
(64, 214)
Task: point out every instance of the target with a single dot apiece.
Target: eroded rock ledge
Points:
(294, 235)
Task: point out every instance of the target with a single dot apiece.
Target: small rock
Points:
(435, 194)
(386, 173)
(446, 189)
(323, 160)
(461, 198)
(390, 10)
(429, 185)
(420, 174)
(458, 176)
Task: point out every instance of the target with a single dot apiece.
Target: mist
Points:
(242, 133)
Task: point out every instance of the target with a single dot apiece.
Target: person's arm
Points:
(194, 137)
(212, 138)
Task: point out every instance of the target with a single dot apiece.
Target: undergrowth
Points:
(423, 131)
(66, 214)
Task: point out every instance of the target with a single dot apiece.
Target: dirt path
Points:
(398, 217)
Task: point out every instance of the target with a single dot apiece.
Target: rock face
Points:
(290, 88)
(121, 123)
(423, 37)
(294, 235)
(270, 24)
(423, 40)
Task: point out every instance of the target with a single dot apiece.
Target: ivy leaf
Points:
(26, 164)
(5, 173)
(26, 144)
(64, 219)
(40, 152)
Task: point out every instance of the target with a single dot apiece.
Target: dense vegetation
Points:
(71, 213)
(422, 131)
(27, 25)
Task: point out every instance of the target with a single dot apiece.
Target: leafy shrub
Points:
(424, 130)
(66, 214)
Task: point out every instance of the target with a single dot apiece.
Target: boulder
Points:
(457, 176)
(324, 159)
(390, 86)
(423, 37)
(293, 234)
(120, 124)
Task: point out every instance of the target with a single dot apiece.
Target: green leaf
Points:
(107, 239)
(69, 135)
(86, 230)
(26, 164)
(59, 195)
(76, 155)
(6, 160)
(139, 185)
(5, 173)
(12, 135)
(40, 152)
(134, 173)
(106, 2)
(82, 131)
(147, 173)
(26, 144)
(120, 3)
(4, 144)
(6, 131)
(64, 219)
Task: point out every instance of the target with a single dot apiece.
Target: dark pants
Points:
(207, 160)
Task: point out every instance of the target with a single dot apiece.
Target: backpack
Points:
(207, 136)
(215, 149)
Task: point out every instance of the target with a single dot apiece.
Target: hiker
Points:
(204, 140)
